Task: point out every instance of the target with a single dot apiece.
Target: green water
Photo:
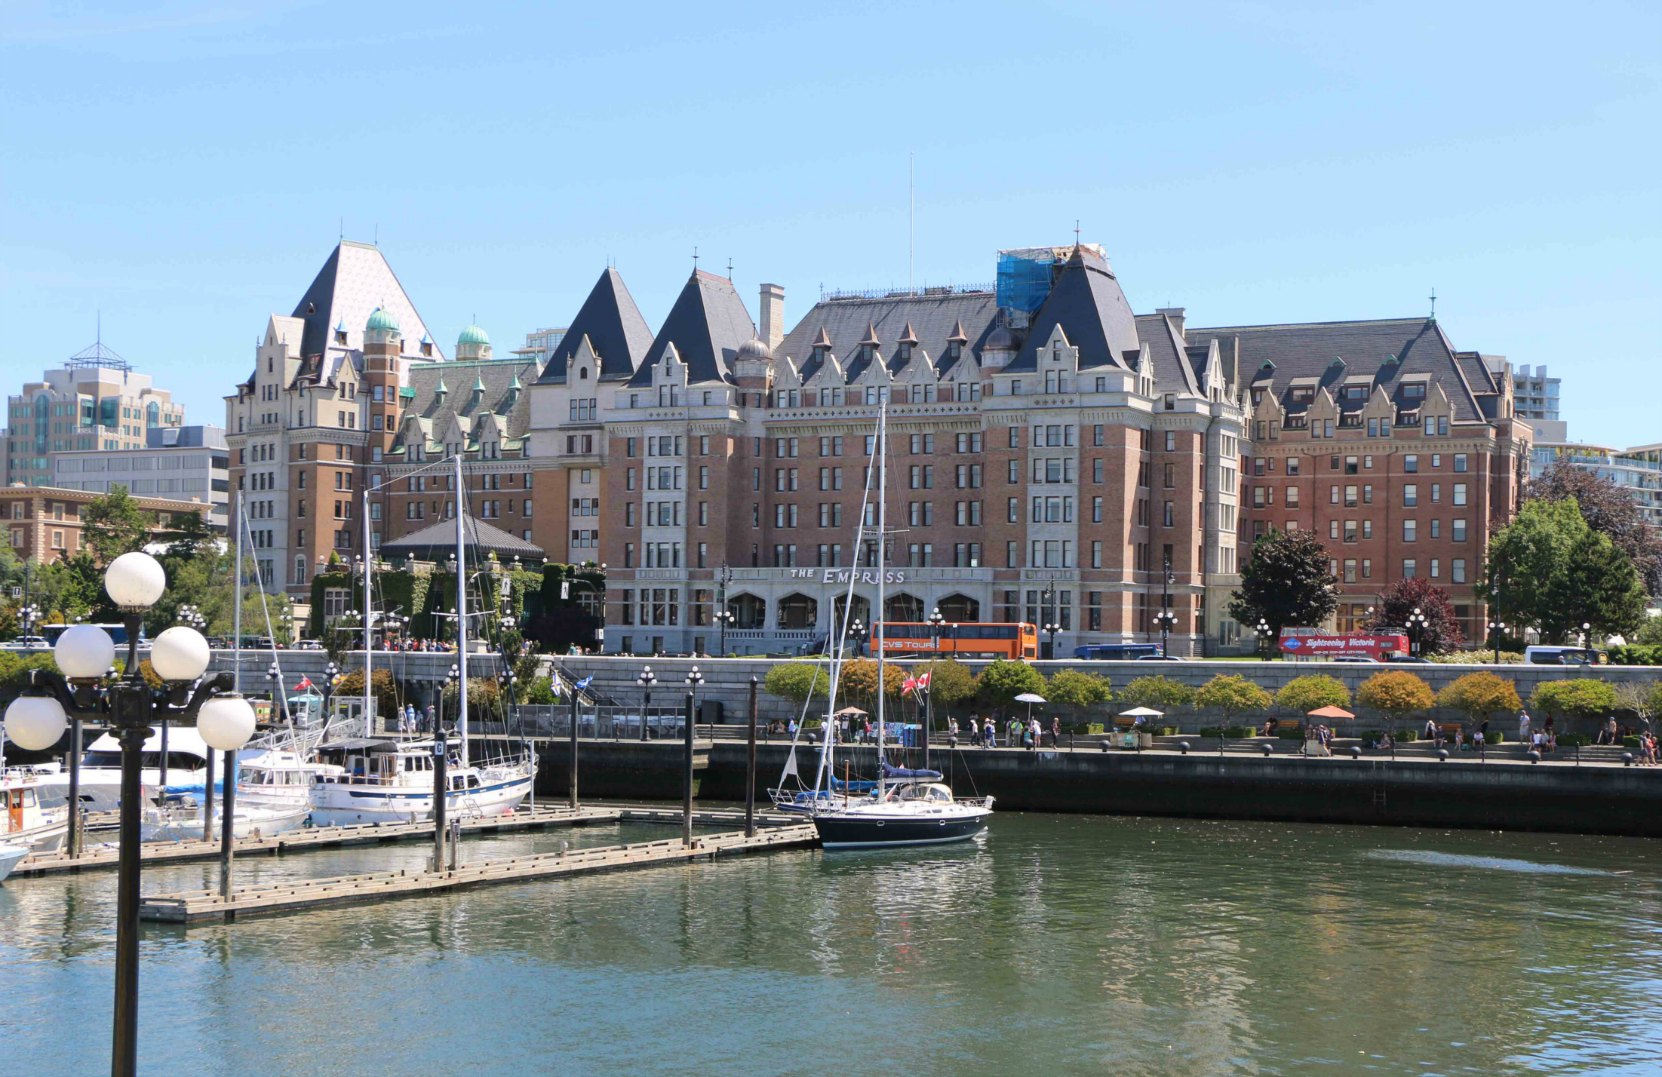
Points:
(1059, 945)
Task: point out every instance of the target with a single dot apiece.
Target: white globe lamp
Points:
(135, 580)
(84, 652)
(179, 654)
(225, 722)
(34, 723)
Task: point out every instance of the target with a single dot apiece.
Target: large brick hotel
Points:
(1052, 453)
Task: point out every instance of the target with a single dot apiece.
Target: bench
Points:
(1286, 725)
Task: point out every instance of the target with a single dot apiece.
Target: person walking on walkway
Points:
(1523, 728)
(1055, 732)
(990, 737)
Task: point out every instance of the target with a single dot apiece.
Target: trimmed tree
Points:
(1318, 690)
(1160, 693)
(859, 682)
(113, 525)
(1579, 698)
(1286, 581)
(1231, 695)
(1479, 695)
(951, 684)
(387, 696)
(796, 681)
(1075, 688)
(1397, 694)
(1005, 679)
(1399, 601)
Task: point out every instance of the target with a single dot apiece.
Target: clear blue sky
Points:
(184, 166)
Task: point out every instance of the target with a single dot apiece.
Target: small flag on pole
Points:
(923, 682)
(584, 683)
(305, 685)
(908, 686)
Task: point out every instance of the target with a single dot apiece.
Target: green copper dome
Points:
(382, 319)
(473, 335)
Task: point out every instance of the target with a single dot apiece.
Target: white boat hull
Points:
(344, 804)
(10, 857)
(173, 825)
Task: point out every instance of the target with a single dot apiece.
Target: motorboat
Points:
(178, 817)
(10, 857)
(100, 788)
(25, 818)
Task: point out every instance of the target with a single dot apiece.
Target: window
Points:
(1171, 441)
(1410, 495)
(1292, 465)
(1292, 497)
(1457, 570)
(1410, 530)
(1459, 493)
(1436, 568)
(1460, 462)
(1457, 530)
(1436, 492)
(1408, 568)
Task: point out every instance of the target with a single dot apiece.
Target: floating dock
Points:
(192, 907)
(104, 857)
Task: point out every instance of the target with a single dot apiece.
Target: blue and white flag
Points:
(584, 683)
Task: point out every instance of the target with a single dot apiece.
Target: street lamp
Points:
(85, 690)
(1044, 611)
(1586, 631)
(936, 620)
(1165, 620)
(1265, 634)
(723, 619)
(330, 672)
(1496, 631)
(29, 616)
(1416, 630)
(857, 632)
(646, 680)
(694, 679)
(1050, 629)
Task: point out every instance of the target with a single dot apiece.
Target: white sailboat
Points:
(100, 789)
(903, 806)
(381, 779)
(178, 817)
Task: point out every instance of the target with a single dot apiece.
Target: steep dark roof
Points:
(459, 377)
(707, 325)
(1086, 301)
(932, 318)
(614, 328)
(1308, 350)
(1173, 369)
(352, 283)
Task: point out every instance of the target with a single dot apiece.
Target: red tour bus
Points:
(965, 639)
(1309, 643)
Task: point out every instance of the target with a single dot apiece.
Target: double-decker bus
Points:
(966, 639)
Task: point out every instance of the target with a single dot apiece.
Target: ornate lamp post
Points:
(1050, 629)
(646, 680)
(1265, 634)
(1496, 631)
(1416, 629)
(857, 631)
(724, 618)
(29, 617)
(330, 672)
(694, 679)
(1165, 621)
(935, 623)
(85, 690)
(1044, 614)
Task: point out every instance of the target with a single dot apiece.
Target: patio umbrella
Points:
(1139, 713)
(1030, 698)
(1335, 713)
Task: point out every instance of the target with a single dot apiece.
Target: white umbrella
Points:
(1030, 698)
(1137, 714)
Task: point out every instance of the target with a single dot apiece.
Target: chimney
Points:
(773, 315)
(1176, 316)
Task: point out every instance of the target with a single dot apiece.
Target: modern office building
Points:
(183, 463)
(1638, 470)
(540, 345)
(1535, 393)
(94, 402)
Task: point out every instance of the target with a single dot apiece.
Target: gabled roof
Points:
(614, 328)
(437, 542)
(354, 281)
(1086, 301)
(933, 319)
(707, 325)
(1308, 351)
(1173, 367)
(500, 396)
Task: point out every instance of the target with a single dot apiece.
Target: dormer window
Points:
(427, 349)
(340, 336)
(1413, 390)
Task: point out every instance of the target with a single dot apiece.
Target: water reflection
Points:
(1065, 944)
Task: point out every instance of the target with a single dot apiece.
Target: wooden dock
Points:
(193, 907)
(104, 857)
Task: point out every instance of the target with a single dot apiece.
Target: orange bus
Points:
(965, 639)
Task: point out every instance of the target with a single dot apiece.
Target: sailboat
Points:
(904, 806)
(380, 779)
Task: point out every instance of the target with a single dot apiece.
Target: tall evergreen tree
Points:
(1553, 573)
(1286, 582)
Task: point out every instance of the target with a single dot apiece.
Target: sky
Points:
(181, 170)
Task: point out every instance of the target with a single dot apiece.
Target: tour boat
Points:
(903, 806)
(25, 820)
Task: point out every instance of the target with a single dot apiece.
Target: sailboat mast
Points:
(461, 610)
(369, 621)
(882, 539)
(236, 607)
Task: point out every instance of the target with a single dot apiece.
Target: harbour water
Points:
(1061, 944)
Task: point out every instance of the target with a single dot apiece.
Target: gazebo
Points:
(438, 543)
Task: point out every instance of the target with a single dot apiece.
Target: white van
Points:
(1561, 656)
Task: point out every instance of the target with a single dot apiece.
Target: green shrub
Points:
(1630, 742)
(1211, 731)
(1238, 732)
(1405, 736)
(1636, 654)
(1574, 740)
(1288, 734)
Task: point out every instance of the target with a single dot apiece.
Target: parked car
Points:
(1355, 659)
(1157, 658)
(1410, 658)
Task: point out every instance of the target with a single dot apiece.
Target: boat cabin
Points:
(370, 761)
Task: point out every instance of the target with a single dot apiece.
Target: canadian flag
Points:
(923, 683)
(304, 685)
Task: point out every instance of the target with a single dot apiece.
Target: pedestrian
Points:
(1432, 733)
(990, 735)
(791, 728)
(432, 718)
(1033, 730)
(1523, 728)
(1055, 732)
